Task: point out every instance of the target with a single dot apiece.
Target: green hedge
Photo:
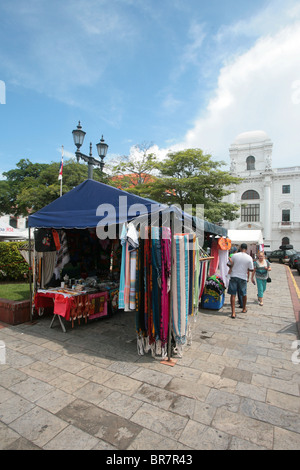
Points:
(13, 266)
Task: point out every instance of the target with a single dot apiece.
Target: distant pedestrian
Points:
(241, 264)
(239, 294)
(261, 268)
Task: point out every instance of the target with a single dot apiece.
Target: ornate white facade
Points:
(269, 198)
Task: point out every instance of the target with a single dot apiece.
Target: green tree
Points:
(11, 187)
(192, 177)
(32, 186)
(136, 169)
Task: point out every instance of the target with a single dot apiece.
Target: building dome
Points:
(251, 137)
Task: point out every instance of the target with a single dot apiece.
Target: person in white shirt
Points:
(241, 264)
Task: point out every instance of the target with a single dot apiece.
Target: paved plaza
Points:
(235, 387)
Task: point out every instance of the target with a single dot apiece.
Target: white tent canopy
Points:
(250, 237)
(7, 232)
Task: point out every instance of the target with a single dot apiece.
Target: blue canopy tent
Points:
(92, 204)
(89, 204)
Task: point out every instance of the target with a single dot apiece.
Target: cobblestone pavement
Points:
(235, 387)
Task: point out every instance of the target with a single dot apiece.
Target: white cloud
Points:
(67, 153)
(171, 104)
(59, 53)
(258, 90)
(275, 15)
(191, 53)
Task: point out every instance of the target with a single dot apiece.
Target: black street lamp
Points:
(78, 136)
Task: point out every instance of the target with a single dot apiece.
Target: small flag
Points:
(61, 166)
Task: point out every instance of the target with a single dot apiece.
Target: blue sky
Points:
(174, 73)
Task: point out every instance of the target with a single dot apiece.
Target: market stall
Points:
(92, 242)
(253, 238)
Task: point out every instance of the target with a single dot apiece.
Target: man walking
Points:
(241, 264)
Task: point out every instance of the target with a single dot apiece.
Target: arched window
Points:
(250, 163)
(250, 194)
(250, 212)
(285, 241)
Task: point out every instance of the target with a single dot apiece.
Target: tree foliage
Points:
(184, 177)
(192, 177)
(135, 169)
(13, 266)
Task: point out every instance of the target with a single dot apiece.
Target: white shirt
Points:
(241, 263)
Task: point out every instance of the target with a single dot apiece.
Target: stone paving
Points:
(235, 387)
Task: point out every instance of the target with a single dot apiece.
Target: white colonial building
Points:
(19, 222)
(269, 198)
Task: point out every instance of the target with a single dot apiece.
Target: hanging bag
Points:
(44, 241)
(268, 278)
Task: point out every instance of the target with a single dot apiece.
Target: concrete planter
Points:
(14, 312)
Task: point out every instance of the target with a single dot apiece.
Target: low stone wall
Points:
(14, 312)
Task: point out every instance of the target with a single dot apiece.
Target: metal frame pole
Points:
(30, 274)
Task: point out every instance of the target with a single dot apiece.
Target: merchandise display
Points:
(146, 275)
(77, 280)
(80, 274)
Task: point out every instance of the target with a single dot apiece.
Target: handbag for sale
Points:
(44, 241)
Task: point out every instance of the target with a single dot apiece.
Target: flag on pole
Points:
(61, 165)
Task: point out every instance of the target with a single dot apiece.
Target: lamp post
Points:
(78, 136)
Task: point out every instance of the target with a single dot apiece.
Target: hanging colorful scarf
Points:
(156, 279)
(148, 285)
(197, 276)
(191, 246)
(165, 284)
(132, 256)
(122, 272)
(139, 291)
(151, 331)
(180, 291)
(215, 261)
(127, 279)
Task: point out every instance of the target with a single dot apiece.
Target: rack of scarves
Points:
(147, 286)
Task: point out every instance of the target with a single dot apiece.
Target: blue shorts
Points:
(236, 284)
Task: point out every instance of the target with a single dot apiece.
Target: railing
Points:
(286, 224)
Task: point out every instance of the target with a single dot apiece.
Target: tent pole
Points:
(30, 272)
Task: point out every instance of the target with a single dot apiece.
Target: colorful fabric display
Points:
(132, 280)
(122, 271)
(180, 287)
(215, 261)
(216, 284)
(145, 285)
(165, 284)
(156, 280)
(62, 256)
(223, 268)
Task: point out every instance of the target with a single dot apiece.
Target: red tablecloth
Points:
(63, 302)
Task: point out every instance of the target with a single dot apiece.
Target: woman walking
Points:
(261, 268)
